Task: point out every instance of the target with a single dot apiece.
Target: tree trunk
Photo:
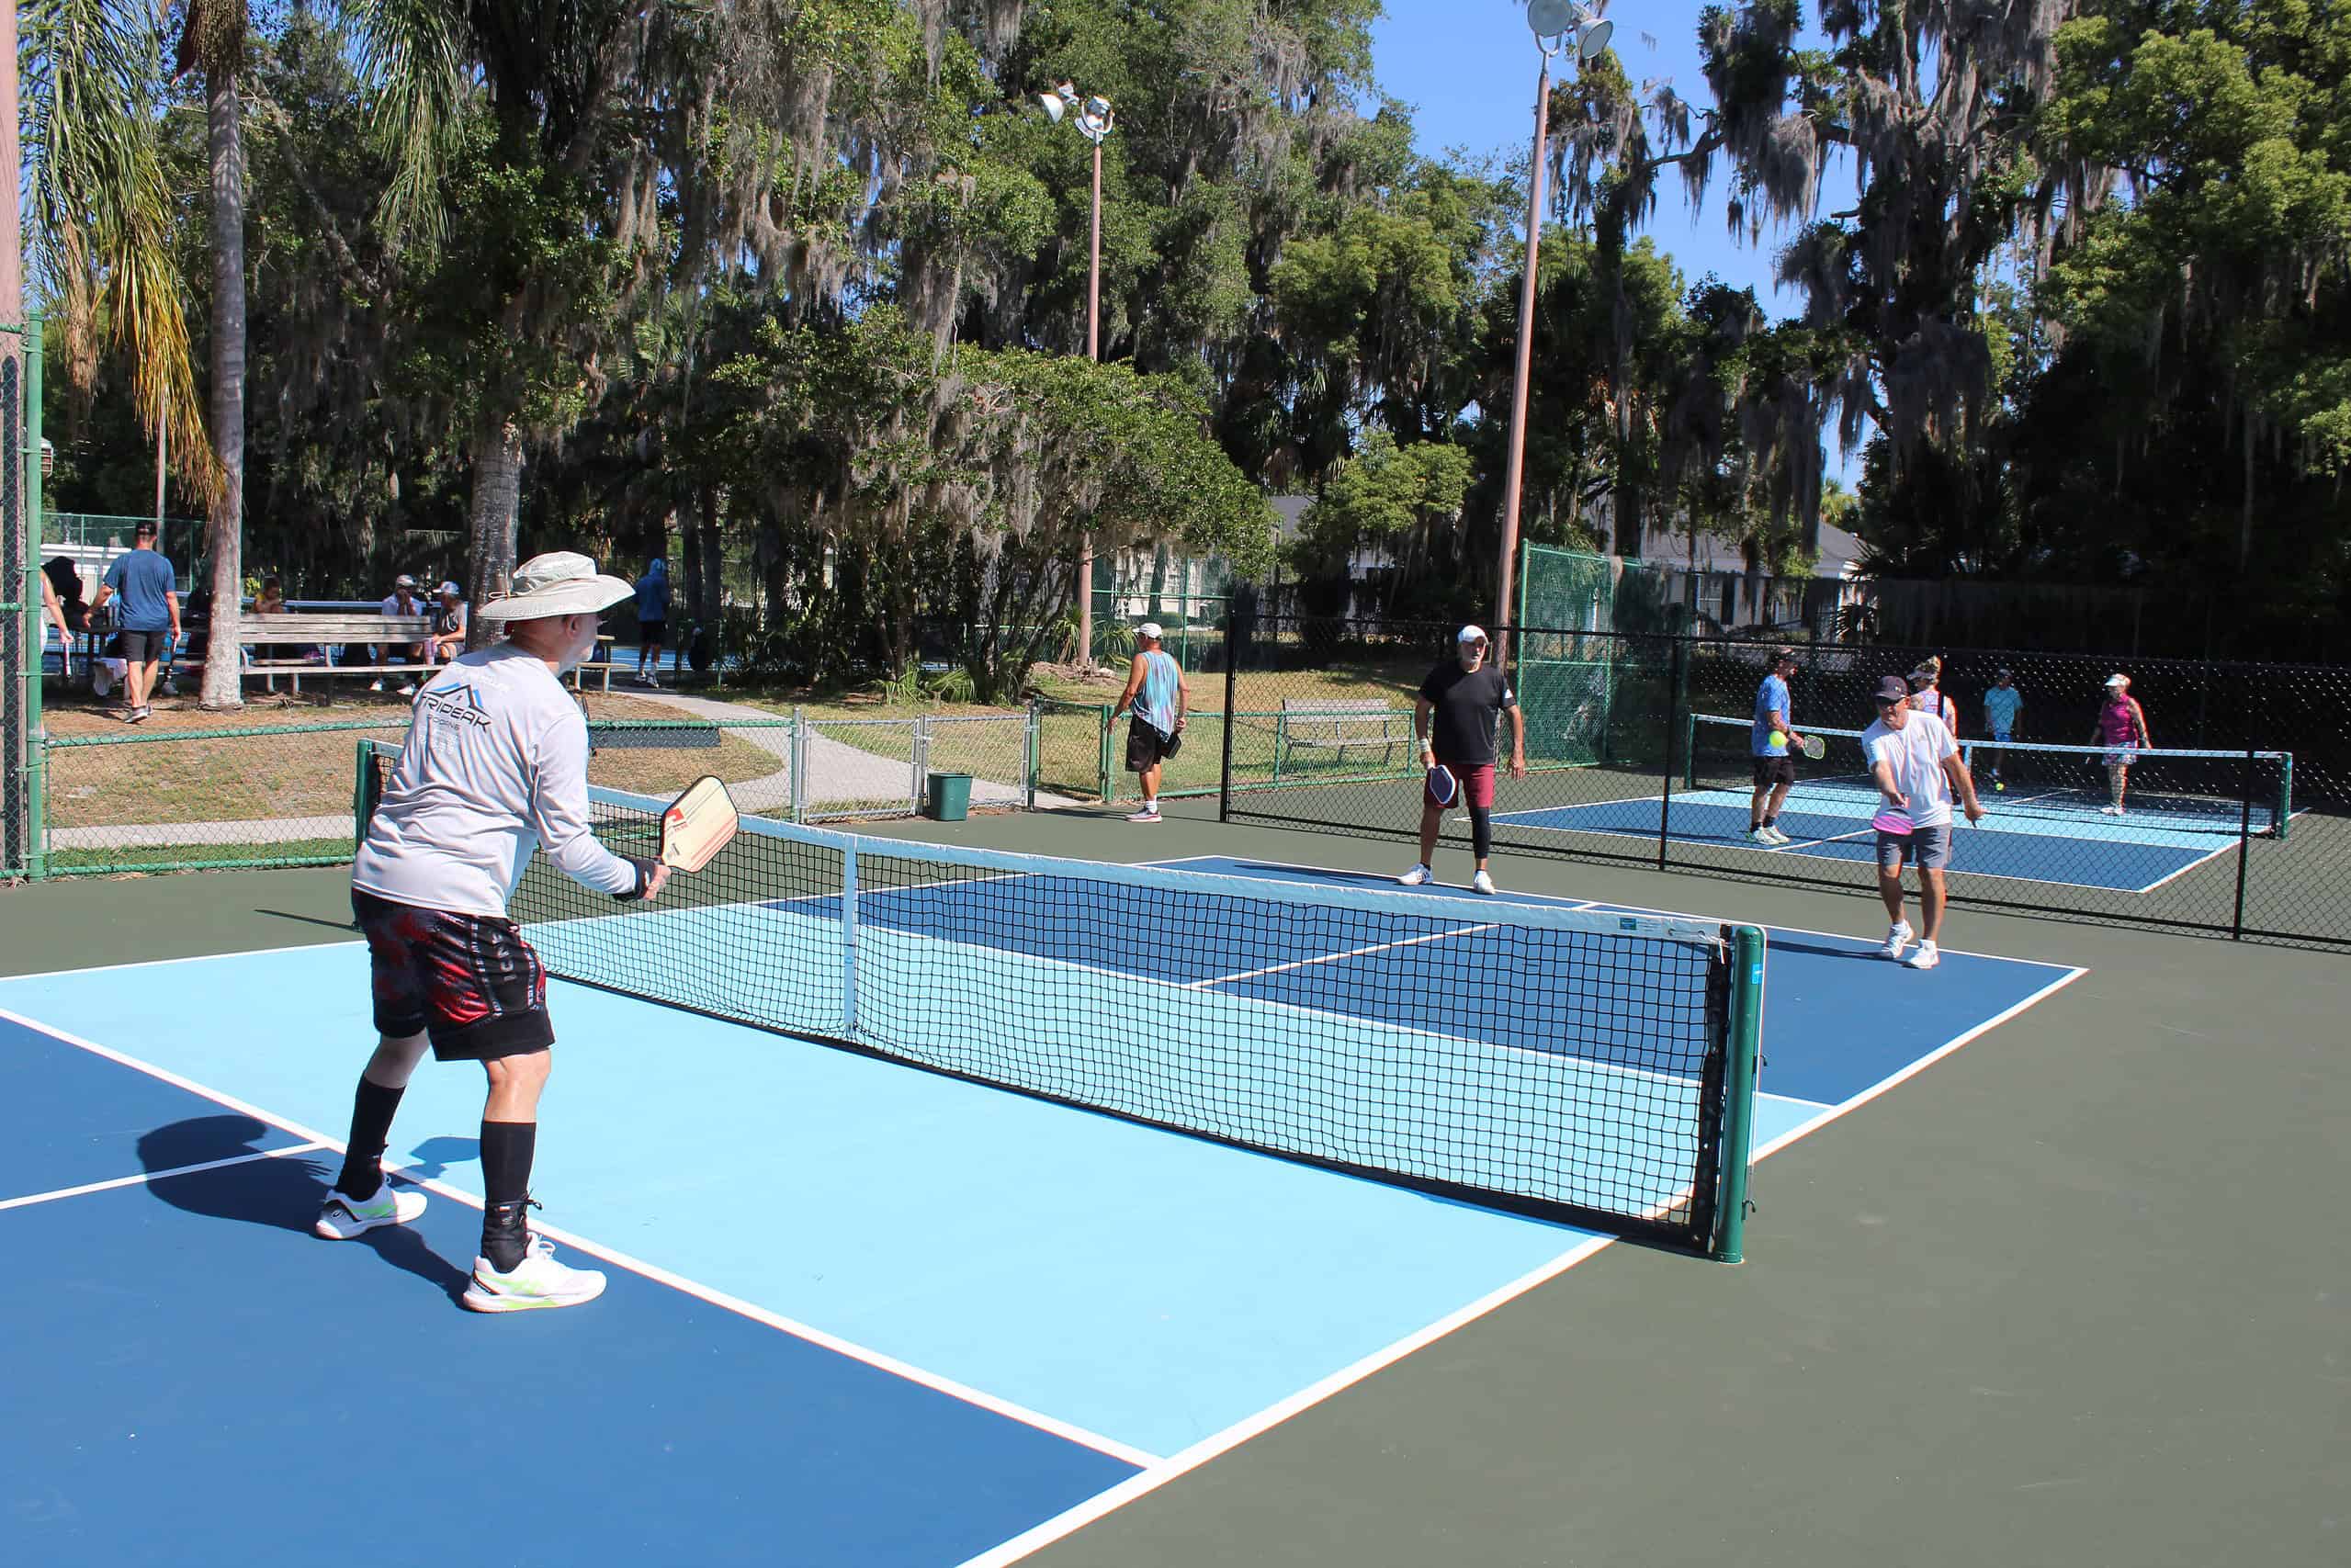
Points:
(490, 519)
(225, 523)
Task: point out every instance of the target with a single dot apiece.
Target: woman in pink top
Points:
(2121, 729)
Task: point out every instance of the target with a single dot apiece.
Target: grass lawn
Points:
(280, 763)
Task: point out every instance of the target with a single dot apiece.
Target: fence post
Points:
(1030, 754)
(1102, 769)
(799, 764)
(2245, 842)
(1679, 664)
(1232, 707)
(36, 755)
(920, 763)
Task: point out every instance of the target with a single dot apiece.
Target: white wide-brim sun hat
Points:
(560, 582)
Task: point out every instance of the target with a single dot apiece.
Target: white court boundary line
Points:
(877, 1360)
(1103, 1504)
(144, 1177)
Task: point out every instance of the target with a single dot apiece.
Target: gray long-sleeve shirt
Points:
(495, 765)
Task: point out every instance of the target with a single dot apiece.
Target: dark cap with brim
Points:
(1893, 689)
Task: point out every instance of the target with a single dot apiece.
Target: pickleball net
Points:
(1588, 1066)
(2182, 790)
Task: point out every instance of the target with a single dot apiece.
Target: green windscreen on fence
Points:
(1567, 658)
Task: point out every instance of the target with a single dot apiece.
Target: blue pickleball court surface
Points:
(860, 1314)
(2051, 838)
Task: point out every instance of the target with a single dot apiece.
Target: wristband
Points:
(644, 869)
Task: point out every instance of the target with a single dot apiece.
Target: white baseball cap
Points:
(1151, 630)
(1471, 634)
(451, 588)
(403, 581)
(2117, 680)
(560, 582)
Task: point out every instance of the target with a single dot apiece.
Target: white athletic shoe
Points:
(1482, 882)
(1415, 877)
(1925, 958)
(1149, 814)
(408, 689)
(1773, 835)
(2109, 811)
(342, 1218)
(538, 1281)
(1757, 835)
(1896, 940)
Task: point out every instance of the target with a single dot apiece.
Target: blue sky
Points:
(1468, 68)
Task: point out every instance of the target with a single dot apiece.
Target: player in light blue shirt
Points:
(1774, 742)
(1157, 696)
(2001, 705)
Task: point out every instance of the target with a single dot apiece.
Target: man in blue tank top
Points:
(1158, 697)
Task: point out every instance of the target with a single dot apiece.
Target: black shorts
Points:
(470, 981)
(146, 647)
(649, 633)
(1770, 771)
(1147, 748)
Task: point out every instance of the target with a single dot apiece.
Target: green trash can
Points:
(948, 797)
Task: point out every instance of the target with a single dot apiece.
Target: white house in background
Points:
(1711, 576)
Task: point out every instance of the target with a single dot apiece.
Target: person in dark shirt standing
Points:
(1454, 718)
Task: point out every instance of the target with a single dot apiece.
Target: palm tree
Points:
(102, 209)
(214, 41)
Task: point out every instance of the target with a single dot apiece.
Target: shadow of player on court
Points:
(283, 1193)
(431, 1160)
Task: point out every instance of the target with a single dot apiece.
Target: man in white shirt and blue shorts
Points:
(494, 767)
(1916, 766)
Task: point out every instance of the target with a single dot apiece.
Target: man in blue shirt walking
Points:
(652, 620)
(1774, 742)
(149, 617)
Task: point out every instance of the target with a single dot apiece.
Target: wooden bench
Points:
(1336, 724)
(329, 629)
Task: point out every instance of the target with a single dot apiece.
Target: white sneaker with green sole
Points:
(344, 1218)
(538, 1281)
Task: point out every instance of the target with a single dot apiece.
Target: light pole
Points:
(1551, 21)
(1094, 120)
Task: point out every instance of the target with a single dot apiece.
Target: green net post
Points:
(1689, 722)
(2285, 795)
(1031, 754)
(1738, 1092)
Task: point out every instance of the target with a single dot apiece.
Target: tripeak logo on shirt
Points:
(460, 702)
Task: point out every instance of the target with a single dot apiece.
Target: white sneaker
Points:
(1149, 814)
(538, 1281)
(1754, 835)
(1925, 958)
(1482, 882)
(342, 1218)
(408, 689)
(1896, 940)
(375, 686)
(2109, 811)
(1415, 877)
(1773, 835)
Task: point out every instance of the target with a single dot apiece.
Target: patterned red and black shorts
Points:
(470, 981)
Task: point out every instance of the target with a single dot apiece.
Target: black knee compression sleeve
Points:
(1481, 829)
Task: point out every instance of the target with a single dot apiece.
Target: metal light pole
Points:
(1550, 21)
(1095, 120)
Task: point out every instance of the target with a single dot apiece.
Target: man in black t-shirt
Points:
(1454, 719)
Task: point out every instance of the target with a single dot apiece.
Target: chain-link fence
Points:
(2230, 812)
